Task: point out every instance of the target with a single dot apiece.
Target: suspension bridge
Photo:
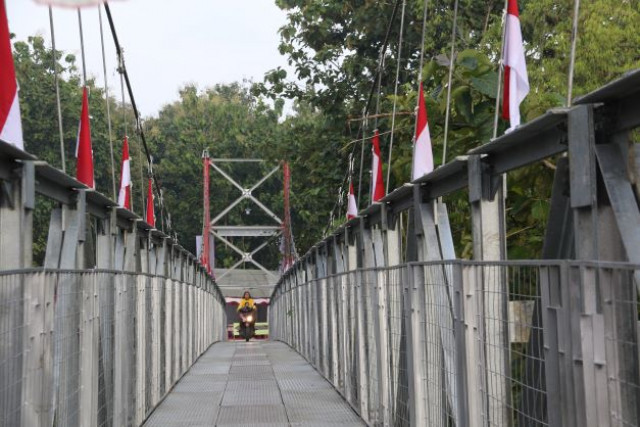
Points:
(381, 323)
(122, 326)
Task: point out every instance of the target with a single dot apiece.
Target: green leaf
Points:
(486, 84)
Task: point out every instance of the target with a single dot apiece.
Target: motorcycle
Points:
(247, 323)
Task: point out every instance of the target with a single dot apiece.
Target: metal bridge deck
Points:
(253, 384)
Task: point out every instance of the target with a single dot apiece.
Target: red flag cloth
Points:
(10, 123)
(422, 150)
(352, 205)
(84, 151)
(377, 183)
(151, 216)
(516, 80)
(124, 196)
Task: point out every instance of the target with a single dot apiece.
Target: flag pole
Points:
(574, 42)
(424, 35)
(395, 94)
(364, 128)
(500, 70)
(57, 85)
(449, 84)
(84, 66)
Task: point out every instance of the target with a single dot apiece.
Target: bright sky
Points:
(167, 43)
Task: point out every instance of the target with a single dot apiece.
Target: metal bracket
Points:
(6, 194)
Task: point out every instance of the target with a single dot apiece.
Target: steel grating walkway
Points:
(253, 384)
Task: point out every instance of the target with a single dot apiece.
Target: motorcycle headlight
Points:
(249, 318)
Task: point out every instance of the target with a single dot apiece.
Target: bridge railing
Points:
(410, 338)
(98, 347)
(473, 343)
(113, 316)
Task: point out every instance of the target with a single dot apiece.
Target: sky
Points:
(166, 43)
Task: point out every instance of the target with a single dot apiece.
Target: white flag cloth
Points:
(352, 205)
(422, 151)
(516, 81)
(124, 196)
(377, 181)
(70, 3)
(10, 122)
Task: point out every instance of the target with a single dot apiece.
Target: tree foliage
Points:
(333, 46)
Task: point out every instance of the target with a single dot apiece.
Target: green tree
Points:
(230, 123)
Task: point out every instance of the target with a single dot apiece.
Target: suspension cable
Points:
(57, 85)
(106, 98)
(136, 113)
(574, 42)
(395, 94)
(361, 129)
(373, 87)
(424, 35)
(449, 84)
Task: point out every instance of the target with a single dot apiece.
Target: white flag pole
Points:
(500, 70)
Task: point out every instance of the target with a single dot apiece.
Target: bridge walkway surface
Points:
(255, 383)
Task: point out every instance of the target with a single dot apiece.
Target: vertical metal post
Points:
(141, 348)
(168, 334)
(489, 244)
(550, 286)
(363, 374)
(369, 292)
(380, 314)
(461, 409)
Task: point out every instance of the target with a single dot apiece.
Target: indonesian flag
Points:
(10, 123)
(151, 216)
(124, 196)
(377, 183)
(84, 152)
(352, 205)
(516, 81)
(422, 152)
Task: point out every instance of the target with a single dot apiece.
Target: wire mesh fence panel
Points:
(620, 306)
(441, 370)
(369, 310)
(530, 343)
(83, 347)
(399, 386)
(106, 344)
(352, 349)
(66, 348)
(11, 347)
(510, 344)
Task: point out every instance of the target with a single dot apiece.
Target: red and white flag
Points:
(516, 81)
(151, 215)
(84, 151)
(422, 151)
(10, 123)
(124, 196)
(377, 183)
(352, 205)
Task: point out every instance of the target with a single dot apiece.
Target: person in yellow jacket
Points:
(246, 301)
